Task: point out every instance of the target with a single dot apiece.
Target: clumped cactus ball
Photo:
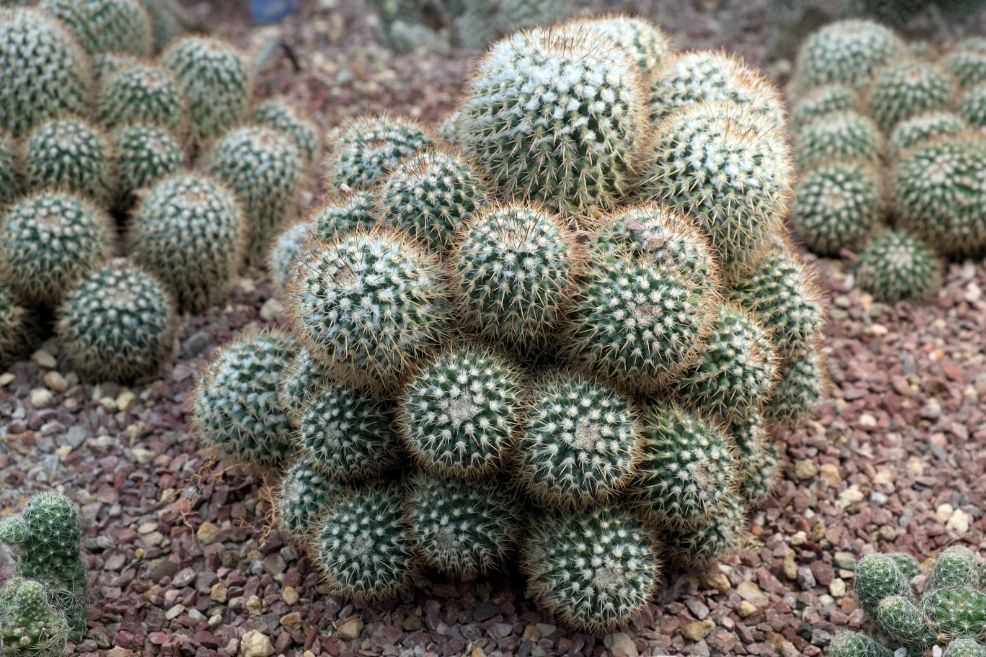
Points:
(573, 321)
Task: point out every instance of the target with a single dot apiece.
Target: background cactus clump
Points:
(757, 457)
(30, 626)
(281, 115)
(69, 154)
(117, 324)
(287, 249)
(966, 64)
(643, 42)
(905, 89)
(924, 128)
(141, 93)
(106, 25)
(844, 135)
(17, 326)
(838, 205)
(345, 214)
(847, 52)
(304, 494)
(370, 148)
(897, 265)
(827, 99)
(142, 155)
(972, 106)
(50, 239)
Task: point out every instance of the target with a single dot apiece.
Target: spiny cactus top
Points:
(923, 128)
(906, 89)
(142, 155)
(53, 74)
(141, 93)
(281, 115)
(844, 135)
(799, 388)
(10, 182)
(555, 117)
(823, 100)
(69, 154)
(118, 323)
(47, 535)
(17, 326)
(106, 25)
(30, 626)
(897, 265)
(642, 41)
(369, 305)
(371, 147)
(216, 80)
(972, 106)
(709, 539)
(848, 52)
(284, 254)
(303, 496)
(342, 215)
(967, 65)
(50, 239)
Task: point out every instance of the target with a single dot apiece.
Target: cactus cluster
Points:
(947, 617)
(573, 318)
(894, 144)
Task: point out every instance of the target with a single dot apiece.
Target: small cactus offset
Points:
(282, 115)
(967, 65)
(303, 496)
(142, 155)
(972, 106)
(345, 214)
(17, 326)
(10, 176)
(846, 135)
(643, 42)
(827, 99)
(903, 90)
(370, 148)
(141, 93)
(847, 52)
(106, 25)
(799, 388)
(70, 155)
(30, 626)
(288, 248)
(300, 383)
(896, 266)
(710, 538)
(923, 128)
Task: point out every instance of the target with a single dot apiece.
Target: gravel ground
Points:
(183, 562)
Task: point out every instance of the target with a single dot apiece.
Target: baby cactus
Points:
(878, 577)
(302, 498)
(30, 626)
(281, 115)
(846, 52)
(799, 388)
(283, 257)
(956, 611)
(854, 644)
(956, 566)
(595, 569)
(904, 622)
(117, 324)
(460, 414)
(142, 155)
(52, 77)
(370, 148)
(967, 65)
(303, 379)
(189, 231)
(972, 106)
(70, 155)
(141, 93)
(17, 326)
(709, 539)
(236, 405)
(845, 135)
(339, 216)
(580, 442)
(924, 128)
(827, 99)
(964, 646)
(106, 25)
(905, 89)
(896, 266)
(642, 41)
(48, 241)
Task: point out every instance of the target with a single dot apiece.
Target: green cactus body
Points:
(726, 168)
(281, 115)
(854, 644)
(762, 475)
(554, 118)
(596, 569)
(847, 52)
(117, 324)
(956, 566)
(904, 622)
(107, 64)
(459, 415)
(237, 408)
(799, 389)
(966, 65)
(515, 267)
(906, 563)
(972, 106)
(216, 81)
(460, 528)
(343, 215)
(58, 82)
(362, 545)
(366, 326)
(845, 135)
(346, 433)
(897, 266)
(580, 443)
(877, 578)
(106, 25)
(48, 241)
(189, 231)
(10, 175)
(837, 206)
(940, 195)
(964, 646)
(282, 261)
(688, 471)
(29, 625)
(71, 155)
(709, 539)
(302, 381)
(827, 99)
(905, 89)
(756, 457)
(958, 610)
(515, 15)
(641, 40)
(164, 25)
(924, 128)
(370, 148)
(17, 327)
(143, 155)
(141, 93)
(735, 370)
(303, 496)
(449, 129)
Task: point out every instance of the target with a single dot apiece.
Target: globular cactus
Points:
(924, 128)
(164, 24)
(642, 41)
(838, 205)
(118, 323)
(263, 167)
(47, 535)
(362, 545)
(345, 432)
(580, 442)
(460, 528)
(459, 416)
(345, 214)
(303, 379)
(956, 610)
(967, 65)
(964, 646)
(845, 135)
(215, 79)
(106, 25)
(896, 265)
(142, 155)
(906, 563)
(595, 569)
(69, 154)
(515, 269)
(735, 370)
(827, 99)
(878, 577)
(854, 644)
(105, 65)
(688, 470)
(556, 118)
(50, 239)
(757, 458)
(933, 199)
(281, 115)
(284, 254)
(431, 196)
(729, 170)
(847, 52)
(371, 147)
(18, 326)
(141, 93)
(972, 106)
(955, 566)
(10, 174)
(367, 327)
(710, 538)
(303, 496)
(799, 388)
(905, 89)
(236, 406)
(189, 231)
(904, 622)
(30, 626)
(53, 76)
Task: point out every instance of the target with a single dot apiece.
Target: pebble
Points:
(837, 588)
(746, 609)
(698, 630)
(271, 310)
(805, 470)
(959, 522)
(829, 473)
(256, 644)
(55, 381)
(218, 593)
(292, 621)
(6, 379)
(44, 359)
(207, 533)
(125, 400)
(621, 645)
(750, 592)
(290, 595)
(41, 398)
(349, 629)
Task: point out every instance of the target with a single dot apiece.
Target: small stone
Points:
(750, 592)
(118, 651)
(350, 628)
(44, 359)
(256, 644)
(805, 470)
(698, 630)
(174, 612)
(290, 595)
(717, 581)
(271, 310)
(931, 410)
(292, 621)
(207, 533)
(55, 381)
(254, 604)
(790, 566)
(959, 522)
(877, 330)
(623, 646)
(477, 652)
(837, 587)
(218, 593)
(746, 609)
(125, 400)
(867, 420)
(850, 496)
(829, 473)
(798, 538)
(845, 560)
(6, 379)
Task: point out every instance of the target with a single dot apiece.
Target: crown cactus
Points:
(17, 326)
(215, 79)
(878, 577)
(236, 405)
(287, 249)
(896, 266)
(846, 52)
(924, 128)
(142, 155)
(905, 89)
(303, 496)
(106, 25)
(845, 135)
(710, 538)
(580, 442)
(50, 239)
(460, 414)
(281, 115)
(799, 389)
(29, 625)
(956, 566)
(141, 93)
(342, 215)
(595, 569)
(640, 39)
(71, 155)
(827, 99)
(53, 76)
(901, 619)
(967, 65)
(189, 231)
(554, 118)
(370, 148)
(837, 206)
